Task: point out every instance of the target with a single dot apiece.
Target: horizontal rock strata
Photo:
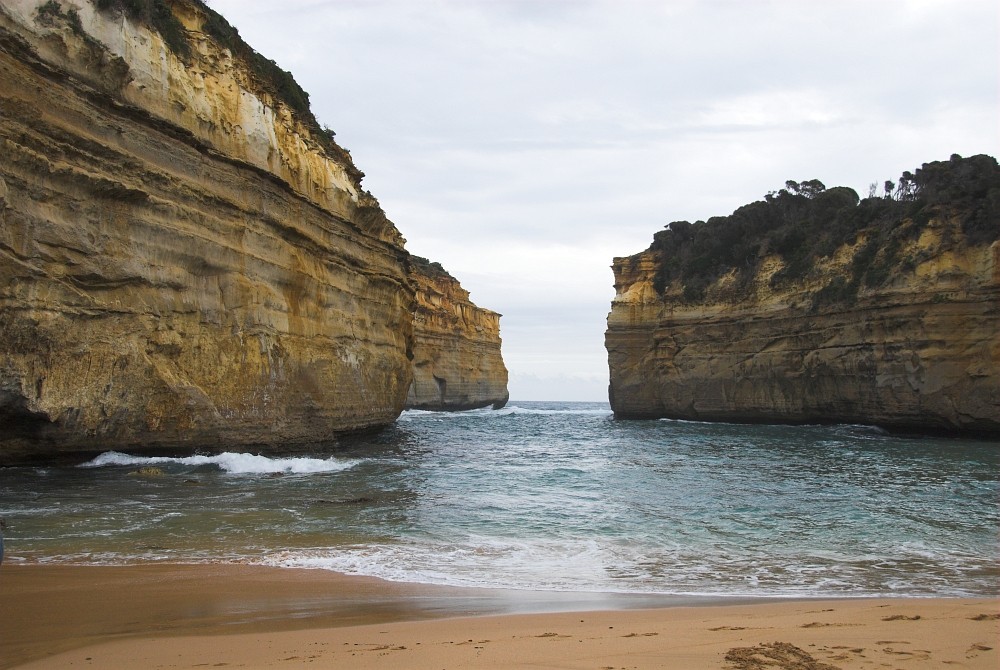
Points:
(186, 261)
(916, 351)
(456, 349)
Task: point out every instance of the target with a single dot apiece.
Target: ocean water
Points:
(550, 496)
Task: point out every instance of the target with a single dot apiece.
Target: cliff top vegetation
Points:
(159, 15)
(805, 221)
(429, 267)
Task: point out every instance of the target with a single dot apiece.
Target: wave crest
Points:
(233, 463)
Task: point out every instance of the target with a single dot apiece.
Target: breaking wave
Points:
(233, 463)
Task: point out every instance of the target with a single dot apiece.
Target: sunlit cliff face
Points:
(182, 262)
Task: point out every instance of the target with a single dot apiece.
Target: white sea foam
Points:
(230, 462)
(480, 562)
(536, 565)
(593, 565)
(509, 410)
(514, 409)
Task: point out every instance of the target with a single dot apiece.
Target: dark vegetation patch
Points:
(428, 267)
(267, 75)
(52, 11)
(155, 14)
(48, 11)
(805, 222)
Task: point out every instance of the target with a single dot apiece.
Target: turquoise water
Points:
(551, 496)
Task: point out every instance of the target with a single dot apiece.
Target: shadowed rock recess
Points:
(187, 259)
(816, 306)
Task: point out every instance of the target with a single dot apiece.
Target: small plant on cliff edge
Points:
(155, 14)
(48, 13)
(280, 82)
(429, 267)
(73, 19)
(49, 10)
(276, 81)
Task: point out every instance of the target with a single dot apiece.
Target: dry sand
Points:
(242, 617)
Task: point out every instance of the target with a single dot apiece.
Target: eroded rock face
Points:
(183, 261)
(919, 351)
(456, 349)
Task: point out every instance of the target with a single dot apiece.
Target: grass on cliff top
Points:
(429, 268)
(268, 75)
(155, 14)
(805, 222)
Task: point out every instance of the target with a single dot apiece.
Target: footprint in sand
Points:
(901, 617)
(974, 649)
(917, 654)
(780, 655)
(843, 653)
(820, 624)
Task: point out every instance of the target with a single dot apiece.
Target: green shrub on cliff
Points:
(805, 222)
(51, 11)
(278, 82)
(970, 186)
(267, 75)
(428, 267)
(157, 15)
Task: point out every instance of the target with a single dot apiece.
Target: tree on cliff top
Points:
(806, 221)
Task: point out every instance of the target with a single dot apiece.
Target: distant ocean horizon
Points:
(548, 496)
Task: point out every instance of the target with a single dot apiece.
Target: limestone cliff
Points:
(186, 257)
(456, 347)
(814, 307)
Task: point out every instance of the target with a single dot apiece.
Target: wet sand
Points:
(252, 617)
(50, 608)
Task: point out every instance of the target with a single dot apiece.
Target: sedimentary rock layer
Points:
(917, 351)
(185, 259)
(456, 348)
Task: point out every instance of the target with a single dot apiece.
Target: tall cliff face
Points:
(456, 349)
(885, 312)
(185, 258)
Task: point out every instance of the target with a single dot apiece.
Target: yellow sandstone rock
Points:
(920, 351)
(184, 259)
(456, 350)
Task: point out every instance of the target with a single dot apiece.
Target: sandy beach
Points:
(170, 616)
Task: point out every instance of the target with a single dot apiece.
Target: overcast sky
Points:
(526, 143)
